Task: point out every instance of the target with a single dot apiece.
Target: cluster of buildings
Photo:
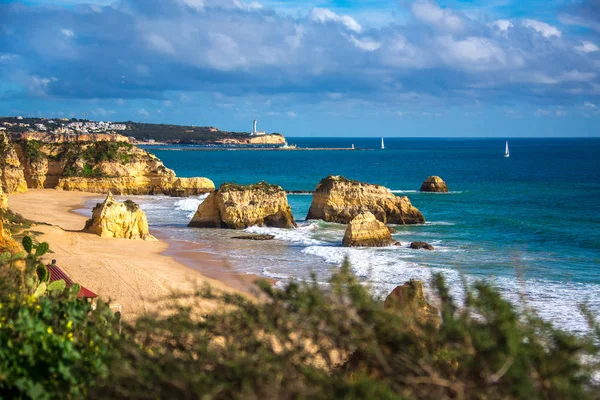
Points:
(64, 127)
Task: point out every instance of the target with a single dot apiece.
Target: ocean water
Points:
(529, 224)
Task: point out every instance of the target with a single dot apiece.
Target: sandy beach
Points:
(132, 273)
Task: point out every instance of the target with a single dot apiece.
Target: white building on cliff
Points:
(255, 132)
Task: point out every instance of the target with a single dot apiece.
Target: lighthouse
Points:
(254, 128)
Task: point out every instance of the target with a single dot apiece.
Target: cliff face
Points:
(263, 139)
(3, 200)
(337, 199)
(99, 167)
(47, 137)
(366, 231)
(118, 220)
(12, 178)
(239, 207)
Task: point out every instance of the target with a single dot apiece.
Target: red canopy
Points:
(58, 274)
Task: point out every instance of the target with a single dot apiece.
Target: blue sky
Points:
(501, 68)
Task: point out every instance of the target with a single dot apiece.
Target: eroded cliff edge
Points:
(89, 163)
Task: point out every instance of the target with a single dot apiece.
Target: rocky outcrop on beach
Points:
(113, 219)
(421, 246)
(12, 178)
(238, 207)
(98, 167)
(434, 184)
(337, 199)
(366, 231)
(411, 298)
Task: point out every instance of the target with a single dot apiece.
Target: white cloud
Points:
(160, 44)
(366, 44)
(195, 4)
(542, 113)
(39, 85)
(588, 104)
(587, 47)
(578, 76)
(323, 15)
(67, 32)
(433, 15)
(546, 30)
(291, 114)
(502, 25)
(474, 53)
(143, 112)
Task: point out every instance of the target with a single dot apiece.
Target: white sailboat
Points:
(382, 145)
(506, 152)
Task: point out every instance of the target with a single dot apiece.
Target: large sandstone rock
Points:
(118, 220)
(239, 207)
(12, 178)
(337, 199)
(434, 184)
(409, 298)
(366, 231)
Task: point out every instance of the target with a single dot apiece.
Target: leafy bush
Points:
(32, 149)
(300, 342)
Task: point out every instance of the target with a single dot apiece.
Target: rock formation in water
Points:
(257, 237)
(421, 245)
(12, 178)
(95, 163)
(239, 207)
(434, 184)
(118, 220)
(337, 199)
(366, 231)
(410, 298)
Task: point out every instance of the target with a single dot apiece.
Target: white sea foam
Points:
(442, 223)
(189, 204)
(301, 235)
(403, 191)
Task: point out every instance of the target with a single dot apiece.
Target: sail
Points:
(506, 152)
(382, 145)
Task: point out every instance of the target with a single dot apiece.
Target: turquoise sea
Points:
(530, 224)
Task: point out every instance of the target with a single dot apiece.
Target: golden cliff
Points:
(239, 207)
(98, 167)
(114, 219)
(337, 199)
(48, 137)
(12, 178)
(366, 231)
(262, 139)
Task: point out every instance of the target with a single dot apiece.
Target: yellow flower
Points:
(70, 325)
(49, 330)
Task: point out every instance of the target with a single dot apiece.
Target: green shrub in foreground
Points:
(300, 342)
